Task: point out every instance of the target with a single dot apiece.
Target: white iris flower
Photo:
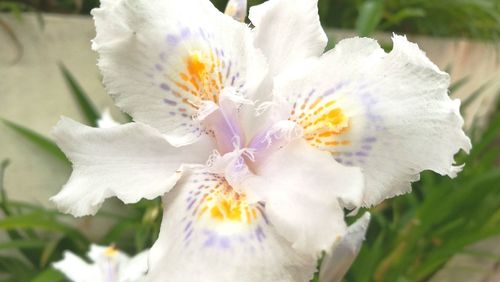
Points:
(108, 265)
(255, 139)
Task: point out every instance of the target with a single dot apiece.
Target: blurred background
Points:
(446, 230)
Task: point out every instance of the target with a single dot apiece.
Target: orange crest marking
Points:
(110, 251)
(322, 120)
(202, 77)
(225, 204)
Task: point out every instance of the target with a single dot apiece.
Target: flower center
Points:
(224, 204)
(203, 74)
(196, 66)
(332, 122)
(223, 122)
(110, 251)
(322, 121)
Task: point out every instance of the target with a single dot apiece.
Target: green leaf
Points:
(3, 194)
(486, 139)
(13, 38)
(370, 15)
(318, 268)
(469, 100)
(118, 230)
(89, 110)
(22, 244)
(40, 19)
(6, 208)
(48, 251)
(49, 275)
(17, 268)
(448, 68)
(37, 220)
(36, 138)
(458, 84)
(401, 15)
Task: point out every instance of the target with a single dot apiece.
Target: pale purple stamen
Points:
(225, 126)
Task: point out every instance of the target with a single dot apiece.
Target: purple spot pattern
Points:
(373, 126)
(205, 229)
(356, 151)
(164, 73)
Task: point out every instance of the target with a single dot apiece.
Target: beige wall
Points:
(33, 93)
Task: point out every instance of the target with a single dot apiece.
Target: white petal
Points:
(161, 58)
(237, 9)
(211, 233)
(117, 266)
(76, 269)
(96, 252)
(304, 191)
(106, 120)
(100, 253)
(287, 31)
(389, 114)
(135, 269)
(337, 262)
(130, 161)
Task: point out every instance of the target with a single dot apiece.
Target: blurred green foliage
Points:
(410, 237)
(451, 18)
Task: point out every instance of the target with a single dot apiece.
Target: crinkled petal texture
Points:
(130, 161)
(305, 191)
(211, 233)
(161, 58)
(336, 263)
(388, 113)
(287, 31)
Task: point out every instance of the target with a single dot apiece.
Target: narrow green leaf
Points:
(22, 244)
(476, 94)
(401, 15)
(3, 194)
(49, 275)
(14, 39)
(32, 207)
(458, 84)
(17, 268)
(36, 138)
(88, 109)
(6, 208)
(118, 230)
(486, 139)
(448, 68)
(48, 251)
(42, 221)
(370, 15)
(40, 19)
